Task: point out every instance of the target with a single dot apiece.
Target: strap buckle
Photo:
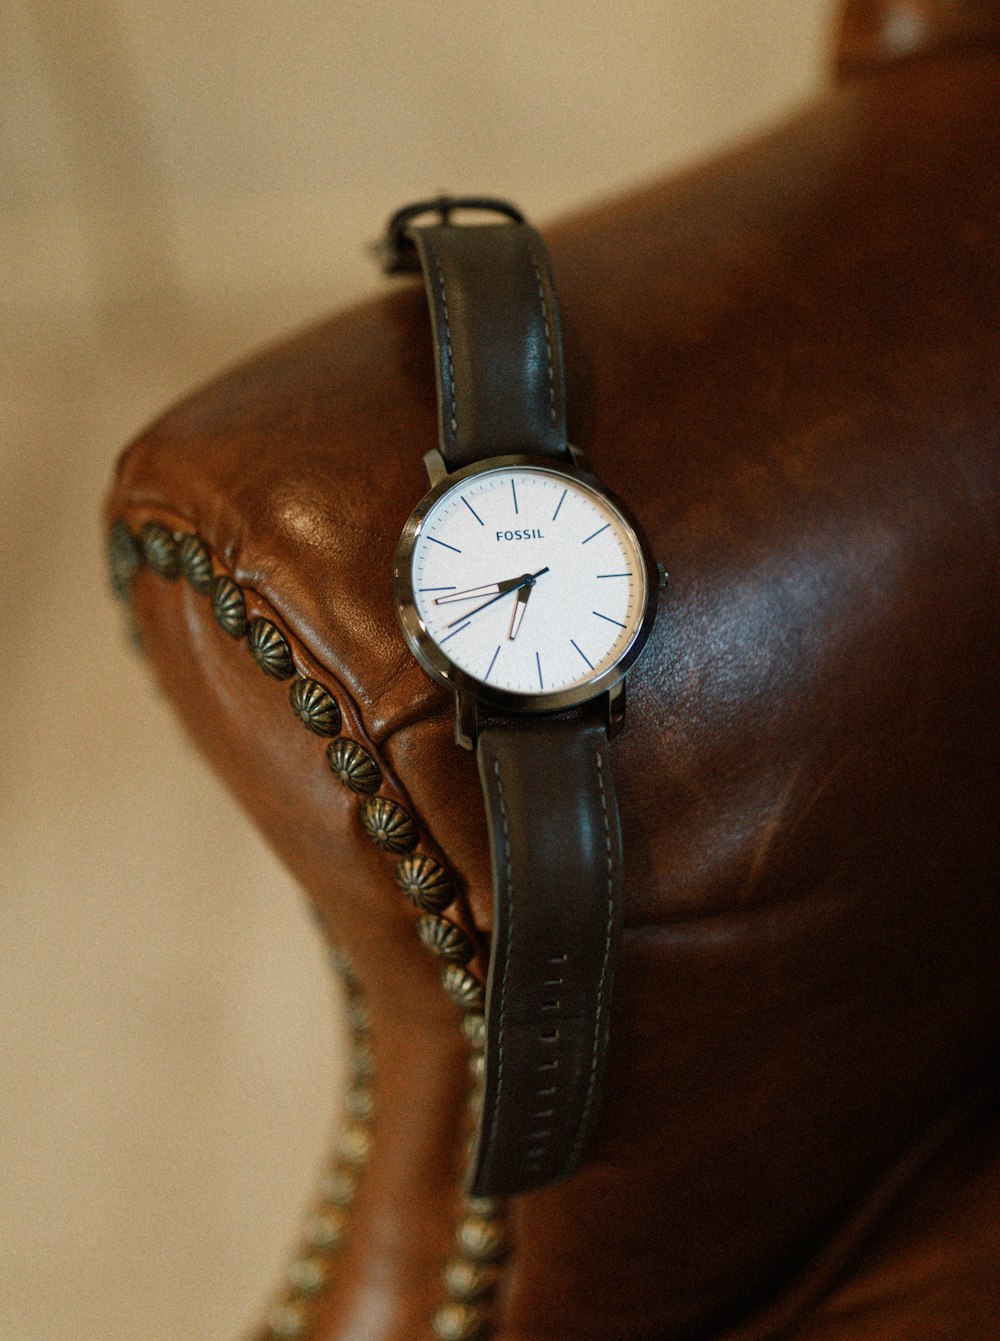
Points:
(395, 251)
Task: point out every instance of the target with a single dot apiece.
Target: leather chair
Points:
(788, 360)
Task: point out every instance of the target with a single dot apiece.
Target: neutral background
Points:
(181, 183)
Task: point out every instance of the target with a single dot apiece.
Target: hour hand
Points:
(491, 589)
(520, 606)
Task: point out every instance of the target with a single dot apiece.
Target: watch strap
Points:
(555, 846)
(498, 349)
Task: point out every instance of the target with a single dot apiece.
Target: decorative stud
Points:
(339, 1187)
(355, 767)
(474, 1029)
(362, 1061)
(481, 1240)
(269, 648)
(468, 1282)
(477, 1067)
(487, 1208)
(465, 990)
(287, 1319)
(359, 1103)
(160, 549)
(425, 883)
(389, 825)
(458, 1322)
(315, 707)
(359, 1017)
(124, 560)
(229, 607)
(355, 1143)
(444, 939)
(338, 960)
(307, 1275)
(196, 563)
(325, 1228)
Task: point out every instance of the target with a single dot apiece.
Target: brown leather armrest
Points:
(787, 360)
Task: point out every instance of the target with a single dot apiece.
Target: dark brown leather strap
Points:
(547, 782)
(555, 845)
(498, 348)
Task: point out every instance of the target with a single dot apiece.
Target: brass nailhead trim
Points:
(444, 939)
(468, 1282)
(196, 563)
(124, 560)
(425, 883)
(474, 1028)
(160, 549)
(458, 1322)
(270, 649)
(229, 607)
(287, 1320)
(354, 766)
(315, 707)
(470, 1279)
(389, 825)
(307, 1275)
(465, 990)
(481, 1240)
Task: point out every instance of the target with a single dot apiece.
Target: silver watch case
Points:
(441, 668)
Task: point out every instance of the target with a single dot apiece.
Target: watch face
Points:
(526, 580)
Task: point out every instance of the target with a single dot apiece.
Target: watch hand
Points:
(519, 608)
(491, 589)
(505, 589)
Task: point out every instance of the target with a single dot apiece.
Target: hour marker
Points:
(435, 588)
(597, 532)
(458, 630)
(614, 575)
(538, 663)
(609, 619)
(562, 498)
(473, 511)
(513, 489)
(444, 544)
(492, 662)
(582, 653)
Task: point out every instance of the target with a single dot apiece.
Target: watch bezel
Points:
(439, 665)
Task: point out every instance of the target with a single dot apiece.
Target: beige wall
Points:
(181, 182)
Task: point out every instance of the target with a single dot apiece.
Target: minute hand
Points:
(505, 588)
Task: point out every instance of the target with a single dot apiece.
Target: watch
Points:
(528, 590)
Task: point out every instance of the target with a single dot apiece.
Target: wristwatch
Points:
(528, 590)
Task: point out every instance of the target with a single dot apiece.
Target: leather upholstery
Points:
(786, 361)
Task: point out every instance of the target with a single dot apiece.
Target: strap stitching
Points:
(578, 1143)
(506, 964)
(448, 382)
(548, 342)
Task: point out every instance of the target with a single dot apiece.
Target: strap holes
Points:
(549, 1036)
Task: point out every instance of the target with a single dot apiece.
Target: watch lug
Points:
(580, 459)
(466, 721)
(435, 466)
(615, 704)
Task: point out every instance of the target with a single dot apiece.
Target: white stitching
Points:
(449, 380)
(578, 1143)
(506, 963)
(548, 342)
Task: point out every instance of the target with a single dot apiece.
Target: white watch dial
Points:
(528, 580)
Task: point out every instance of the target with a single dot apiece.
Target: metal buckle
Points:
(395, 251)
